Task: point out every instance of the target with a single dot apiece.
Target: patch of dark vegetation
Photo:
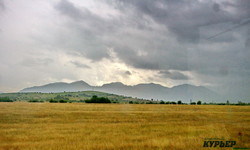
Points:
(199, 103)
(35, 101)
(63, 101)
(53, 101)
(5, 99)
(60, 97)
(162, 102)
(87, 97)
(193, 103)
(59, 101)
(96, 99)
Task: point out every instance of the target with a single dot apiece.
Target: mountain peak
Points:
(113, 84)
(184, 85)
(150, 85)
(81, 82)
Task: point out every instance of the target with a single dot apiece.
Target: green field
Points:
(74, 126)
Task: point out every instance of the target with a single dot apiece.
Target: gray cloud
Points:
(2, 5)
(80, 65)
(128, 73)
(184, 18)
(189, 25)
(247, 43)
(89, 29)
(216, 7)
(36, 62)
(67, 8)
(175, 75)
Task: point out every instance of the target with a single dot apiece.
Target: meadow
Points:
(80, 126)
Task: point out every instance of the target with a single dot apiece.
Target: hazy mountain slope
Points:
(60, 87)
(189, 92)
(147, 91)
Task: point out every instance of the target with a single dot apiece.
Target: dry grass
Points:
(49, 126)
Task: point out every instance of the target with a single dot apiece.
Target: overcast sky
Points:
(169, 42)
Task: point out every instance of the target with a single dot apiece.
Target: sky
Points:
(168, 42)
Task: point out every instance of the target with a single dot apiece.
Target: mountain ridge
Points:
(185, 92)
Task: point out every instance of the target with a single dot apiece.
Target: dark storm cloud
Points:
(216, 7)
(164, 35)
(174, 75)
(80, 65)
(184, 18)
(96, 33)
(88, 27)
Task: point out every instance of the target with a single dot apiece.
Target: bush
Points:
(193, 103)
(63, 101)
(167, 102)
(199, 103)
(221, 104)
(162, 102)
(179, 102)
(172, 102)
(53, 101)
(130, 102)
(136, 102)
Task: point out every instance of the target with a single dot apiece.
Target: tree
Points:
(199, 103)
(179, 102)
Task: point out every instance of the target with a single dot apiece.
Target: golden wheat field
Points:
(47, 126)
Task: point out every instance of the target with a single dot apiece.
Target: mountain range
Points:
(185, 92)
